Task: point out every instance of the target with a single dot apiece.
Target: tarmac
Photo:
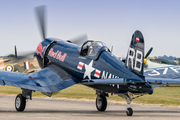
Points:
(55, 109)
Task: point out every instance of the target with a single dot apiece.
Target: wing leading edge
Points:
(49, 79)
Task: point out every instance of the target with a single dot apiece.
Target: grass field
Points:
(163, 96)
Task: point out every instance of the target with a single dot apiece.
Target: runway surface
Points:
(52, 109)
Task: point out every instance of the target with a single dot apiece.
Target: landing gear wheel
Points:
(101, 103)
(20, 103)
(129, 111)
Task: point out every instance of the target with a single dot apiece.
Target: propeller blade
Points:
(79, 40)
(15, 51)
(15, 61)
(148, 53)
(40, 12)
(28, 56)
(111, 49)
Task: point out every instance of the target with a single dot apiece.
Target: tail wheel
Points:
(129, 112)
(20, 103)
(101, 103)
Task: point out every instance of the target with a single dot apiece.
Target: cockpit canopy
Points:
(91, 48)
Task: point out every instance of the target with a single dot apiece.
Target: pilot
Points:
(84, 50)
(92, 48)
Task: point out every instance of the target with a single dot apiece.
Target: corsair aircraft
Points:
(65, 63)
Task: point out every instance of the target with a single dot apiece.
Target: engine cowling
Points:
(42, 52)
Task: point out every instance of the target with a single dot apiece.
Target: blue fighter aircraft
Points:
(64, 64)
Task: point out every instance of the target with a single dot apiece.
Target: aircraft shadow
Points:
(156, 113)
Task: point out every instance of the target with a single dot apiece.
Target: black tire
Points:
(101, 103)
(129, 111)
(20, 103)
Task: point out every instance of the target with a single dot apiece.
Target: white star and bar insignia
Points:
(88, 69)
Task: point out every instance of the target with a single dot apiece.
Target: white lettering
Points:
(109, 76)
(116, 77)
(175, 68)
(139, 58)
(103, 75)
(154, 71)
(117, 85)
(131, 54)
(165, 70)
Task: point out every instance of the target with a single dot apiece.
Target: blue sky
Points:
(110, 21)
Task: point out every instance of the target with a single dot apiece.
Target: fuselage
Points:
(103, 65)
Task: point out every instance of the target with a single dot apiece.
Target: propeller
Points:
(26, 56)
(40, 12)
(79, 40)
(13, 60)
(29, 56)
(147, 54)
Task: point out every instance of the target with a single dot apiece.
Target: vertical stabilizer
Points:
(135, 56)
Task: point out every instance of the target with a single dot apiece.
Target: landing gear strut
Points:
(101, 101)
(128, 98)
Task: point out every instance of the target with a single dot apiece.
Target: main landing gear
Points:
(20, 100)
(20, 103)
(101, 101)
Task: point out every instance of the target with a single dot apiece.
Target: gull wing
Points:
(49, 79)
